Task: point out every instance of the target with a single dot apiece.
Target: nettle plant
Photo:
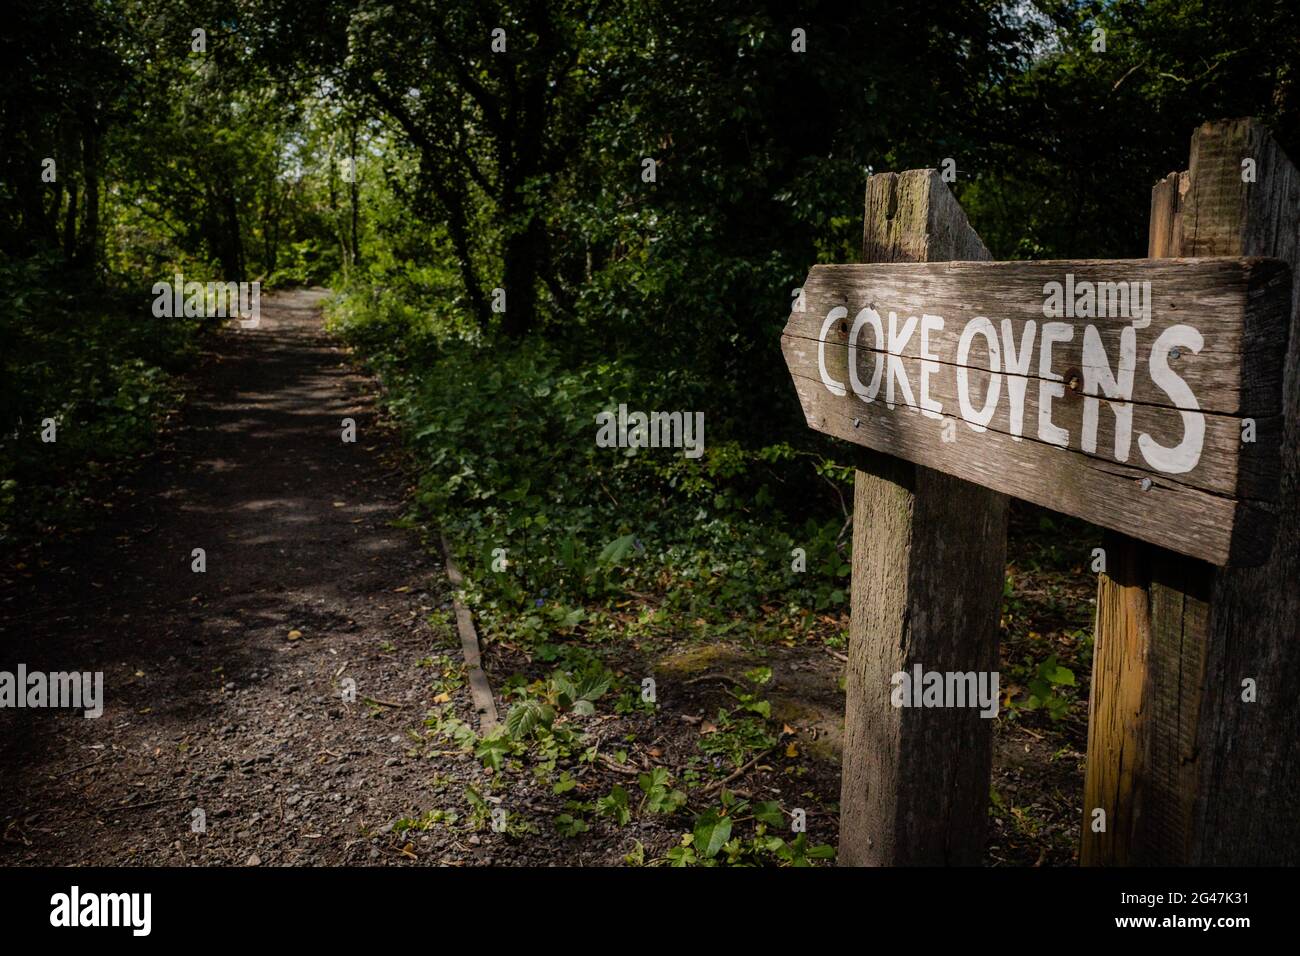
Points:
(540, 701)
(539, 725)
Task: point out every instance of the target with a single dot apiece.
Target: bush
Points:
(96, 362)
(546, 522)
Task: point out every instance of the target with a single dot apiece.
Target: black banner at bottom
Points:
(333, 906)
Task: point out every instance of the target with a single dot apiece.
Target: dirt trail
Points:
(209, 705)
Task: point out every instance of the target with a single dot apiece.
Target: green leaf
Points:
(562, 689)
(524, 717)
(615, 806)
(711, 832)
(658, 777)
(681, 856)
(616, 551)
(769, 812)
(569, 825)
(493, 748)
(593, 685)
(1061, 675)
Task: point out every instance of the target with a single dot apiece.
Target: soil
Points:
(230, 734)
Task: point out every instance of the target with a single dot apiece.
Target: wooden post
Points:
(1186, 770)
(929, 560)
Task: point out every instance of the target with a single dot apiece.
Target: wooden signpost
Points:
(1133, 422)
(1146, 396)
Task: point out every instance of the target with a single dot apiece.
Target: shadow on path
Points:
(209, 705)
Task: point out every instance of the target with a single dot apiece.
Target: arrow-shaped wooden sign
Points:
(1142, 395)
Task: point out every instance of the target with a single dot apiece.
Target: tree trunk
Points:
(70, 223)
(89, 240)
(521, 254)
(355, 192)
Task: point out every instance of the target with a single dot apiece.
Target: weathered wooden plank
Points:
(1165, 230)
(929, 555)
(1237, 306)
(862, 375)
(1186, 770)
(1227, 465)
(480, 689)
(1116, 774)
(1222, 529)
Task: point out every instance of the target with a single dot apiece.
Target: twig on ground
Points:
(617, 767)
(385, 703)
(740, 772)
(64, 773)
(707, 677)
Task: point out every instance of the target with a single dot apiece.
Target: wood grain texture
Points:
(1189, 772)
(1225, 530)
(1117, 715)
(1217, 510)
(1238, 305)
(929, 553)
(1246, 771)
(1165, 228)
(1227, 466)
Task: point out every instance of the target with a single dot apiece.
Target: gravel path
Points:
(225, 691)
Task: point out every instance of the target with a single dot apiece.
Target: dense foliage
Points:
(641, 185)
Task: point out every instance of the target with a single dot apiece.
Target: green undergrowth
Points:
(546, 734)
(577, 557)
(86, 376)
(1048, 605)
(558, 537)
